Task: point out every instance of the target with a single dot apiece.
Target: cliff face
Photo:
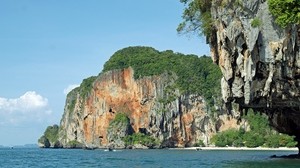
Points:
(175, 120)
(260, 61)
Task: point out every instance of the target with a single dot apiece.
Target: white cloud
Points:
(27, 102)
(69, 88)
(29, 107)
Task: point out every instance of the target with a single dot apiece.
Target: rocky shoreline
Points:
(198, 148)
(237, 148)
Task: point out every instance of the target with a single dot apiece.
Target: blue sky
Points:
(48, 45)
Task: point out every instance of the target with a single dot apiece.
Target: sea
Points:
(36, 157)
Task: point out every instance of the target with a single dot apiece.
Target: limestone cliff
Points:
(175, 119)
(260, 61)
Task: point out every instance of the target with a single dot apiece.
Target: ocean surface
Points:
(35, 157)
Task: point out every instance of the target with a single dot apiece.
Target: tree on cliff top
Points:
(196, 75)
(196, 17)
(52, 133)
(197, 14)
(50, 136)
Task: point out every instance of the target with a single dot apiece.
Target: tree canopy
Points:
(286, 11)
(196, 75)
(260, 134)
(197, 14)
(196, 17)
(51, 133)
(50, 136)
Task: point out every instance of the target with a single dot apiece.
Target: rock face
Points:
(118, 130)
(175, 120)
(260, 61)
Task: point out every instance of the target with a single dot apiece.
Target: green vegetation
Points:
(51, 133)
(72, 104)
(120, 118)
(74, 144)
(84, 90)
(238, 3)
(196, 75)
(256, 22)
(260, 134)
(50, 136)
(119, 127)
(197, 17)
(229, 137)
(197, 14)
(86, 86)
(285, 11)
(139, 138)
(72, 98)
(43, 140)
(200, 143)
(282, 140)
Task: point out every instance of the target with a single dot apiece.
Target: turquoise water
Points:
(141, 158)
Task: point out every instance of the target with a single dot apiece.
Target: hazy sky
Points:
(46, 46)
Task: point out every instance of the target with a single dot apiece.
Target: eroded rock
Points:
(175, 121)
(260, 64)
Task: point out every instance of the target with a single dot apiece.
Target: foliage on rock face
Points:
(86, 86)
(51, 133)
(118, 128)
(196, 17)
(197, 14)
(260, 134)
(197, 75)
(50, 136)
(120, 118)
(256, 22)
(72, 98)
(72, 104)
(200, 143)
(285, 11)
(74, 144)
(43, 140)
(139, 138)
(84, 89)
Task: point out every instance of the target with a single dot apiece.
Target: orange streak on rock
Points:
(119, 92)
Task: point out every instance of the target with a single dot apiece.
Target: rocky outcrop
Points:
(174, 119)
(119, 129)
(43, 142)
(50, 138)
(260, 61)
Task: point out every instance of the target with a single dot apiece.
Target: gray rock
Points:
(174, 119)
(260, 64)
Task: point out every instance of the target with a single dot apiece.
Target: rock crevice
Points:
(260, 63)
(174, 119)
